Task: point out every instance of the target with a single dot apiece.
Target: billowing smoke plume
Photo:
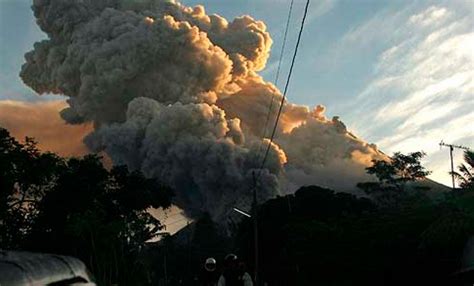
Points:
(175, 92)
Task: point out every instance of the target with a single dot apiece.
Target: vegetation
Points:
(397, 235)
(392, 190)
(465, 176)
(77, 207)
(399, 170)
(321, 237)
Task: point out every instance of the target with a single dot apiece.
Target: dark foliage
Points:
(319, 237)
(314, 237)
(77, 207)
(391, 191)
(465, 174)
(400, 169)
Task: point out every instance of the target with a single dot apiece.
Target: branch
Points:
(21, 202)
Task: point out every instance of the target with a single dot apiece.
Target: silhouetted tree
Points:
(393, 176)
(26, 175)
(399, 169)
(465, 176)
(77, 207)
(320, 237)
(302, 237)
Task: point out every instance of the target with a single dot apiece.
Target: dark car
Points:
(26, 268)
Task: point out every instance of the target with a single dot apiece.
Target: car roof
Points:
(27, 268)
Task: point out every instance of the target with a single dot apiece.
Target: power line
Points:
(275, 81)
(286, 85)
(255, 203)
(175, 222)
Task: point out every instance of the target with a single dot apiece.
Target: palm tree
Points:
(465, 176)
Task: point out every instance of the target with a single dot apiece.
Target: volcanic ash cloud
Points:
(175, 93)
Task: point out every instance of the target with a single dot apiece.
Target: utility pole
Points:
(255, 224)
(165, 271)
(451, 149)
(164, 235)
(255, 227)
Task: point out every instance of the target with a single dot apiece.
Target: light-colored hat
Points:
(210, 264)
(211, 260)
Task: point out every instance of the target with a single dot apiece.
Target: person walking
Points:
(234, 273)
(243, 275)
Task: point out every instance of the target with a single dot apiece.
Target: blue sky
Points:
(398, 73)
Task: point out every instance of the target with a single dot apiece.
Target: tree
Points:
(303, 239)
(465, 176)
(399, 169)
(393, 176)
(101, 217)
(313, 236)
(26, 175)
(77, 207)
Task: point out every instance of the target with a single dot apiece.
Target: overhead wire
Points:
(286, 86)
(176, 221)
(277, 75)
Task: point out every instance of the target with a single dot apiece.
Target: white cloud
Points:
(320, 8)
(427, 140)
(429, 16)
(422, 89)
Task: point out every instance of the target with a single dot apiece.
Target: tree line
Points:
(397, 233)
(77, 207)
